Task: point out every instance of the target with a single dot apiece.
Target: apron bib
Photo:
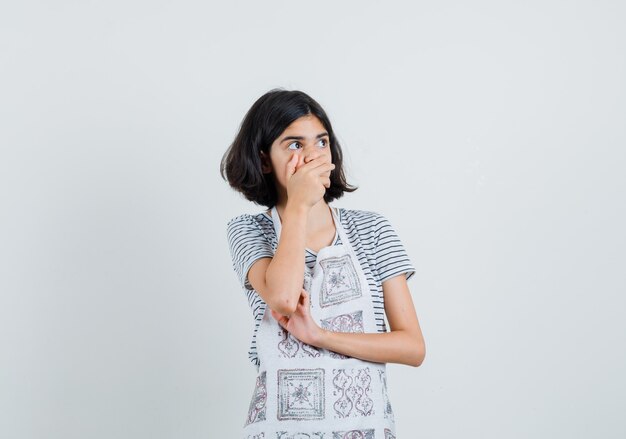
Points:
(305, 392)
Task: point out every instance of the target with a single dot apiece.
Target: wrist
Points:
(321, 338)
(295, 209)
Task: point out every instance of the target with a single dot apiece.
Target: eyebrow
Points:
(320, 135)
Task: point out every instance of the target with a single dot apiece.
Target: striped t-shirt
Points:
(376, 243)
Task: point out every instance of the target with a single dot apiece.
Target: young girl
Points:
(319, 279)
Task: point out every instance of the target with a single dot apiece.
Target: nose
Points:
(311, 153)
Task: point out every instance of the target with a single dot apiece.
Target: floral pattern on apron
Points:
(305, 392)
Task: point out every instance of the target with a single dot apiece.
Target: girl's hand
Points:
(307, 182)
(300, 324)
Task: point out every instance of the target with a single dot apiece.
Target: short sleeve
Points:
(247, 244)
(390, 255)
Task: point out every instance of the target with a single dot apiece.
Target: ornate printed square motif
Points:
(340, 282)
(389, 434)
(290, 347)
(353, 393)
(354, 434)
(300, 394)
(256, 412)
(350, 322)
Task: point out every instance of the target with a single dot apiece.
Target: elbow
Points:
(418, 354)
(281, 301)
(285, 305)
(417, 361)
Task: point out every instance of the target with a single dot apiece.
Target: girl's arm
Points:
(404, 344)
(283, 282)
(274, 279)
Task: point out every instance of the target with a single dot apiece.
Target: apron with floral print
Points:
(305, 392)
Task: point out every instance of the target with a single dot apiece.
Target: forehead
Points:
(305, 123)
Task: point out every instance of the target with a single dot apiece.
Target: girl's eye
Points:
(325, 143)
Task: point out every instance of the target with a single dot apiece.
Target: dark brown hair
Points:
(268, 117)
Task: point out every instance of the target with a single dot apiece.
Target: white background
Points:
(491, 134)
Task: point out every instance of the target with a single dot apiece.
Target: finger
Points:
(281, 319)
(305, 298)
(292, 164)
(325, 169)
(302, 297)
(315, 160)
(322, 163)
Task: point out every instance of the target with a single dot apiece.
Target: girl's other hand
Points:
(300, 324)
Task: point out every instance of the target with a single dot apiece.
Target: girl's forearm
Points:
(284, 282)
(385, 347)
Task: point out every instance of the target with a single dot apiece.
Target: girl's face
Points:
(305, 137)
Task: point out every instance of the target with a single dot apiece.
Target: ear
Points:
(266, 164)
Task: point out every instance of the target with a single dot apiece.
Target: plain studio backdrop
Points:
(491, 134)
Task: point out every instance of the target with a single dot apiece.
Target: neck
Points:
(320, 215)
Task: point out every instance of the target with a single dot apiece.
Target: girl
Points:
(319, 279)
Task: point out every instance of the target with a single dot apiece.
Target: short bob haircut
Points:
(268, 117)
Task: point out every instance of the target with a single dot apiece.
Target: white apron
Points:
(304, 392)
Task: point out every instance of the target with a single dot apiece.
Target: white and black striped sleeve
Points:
(391, 257)
(247, 243)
